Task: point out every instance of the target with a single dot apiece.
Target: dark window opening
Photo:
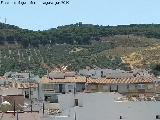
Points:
(157, 116)
(76, 102)
(26, 95)
(101, 73)
(51, 99)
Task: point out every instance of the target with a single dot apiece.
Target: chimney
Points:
(87, 78)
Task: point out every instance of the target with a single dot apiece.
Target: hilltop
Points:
(75, 34)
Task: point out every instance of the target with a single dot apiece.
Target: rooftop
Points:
(79, 79)
(23, 85)
(82, 79)
(10, 91)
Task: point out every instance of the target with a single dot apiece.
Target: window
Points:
(51, 98)
(157, 116)
(101, 73)
(70, 87)
(120, 117)
(140, 86)
(31, 92)
(76, 102)
(47, 98)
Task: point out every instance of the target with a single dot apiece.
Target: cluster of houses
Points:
(132, 83)
(128, 83)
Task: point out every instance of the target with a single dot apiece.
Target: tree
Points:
(155, 69)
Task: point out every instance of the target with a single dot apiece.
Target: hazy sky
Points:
(102, 12)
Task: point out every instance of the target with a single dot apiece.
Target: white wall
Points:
(101, 106)
(113, 73)
(106, 88)
(122, 88)
(66, 101)
(2, 81)
(72, 85)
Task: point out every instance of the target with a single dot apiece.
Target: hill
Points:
(74, 34)
(79, 45)
(144, 57)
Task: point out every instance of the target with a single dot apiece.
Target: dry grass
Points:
(145, 57)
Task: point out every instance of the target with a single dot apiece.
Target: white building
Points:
(29, 90)
(104, 106)
(50, 88)
(110, 73)
(3, 81)
(22, 77)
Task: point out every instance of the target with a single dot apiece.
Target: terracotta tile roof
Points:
(78, 79)
(120, 81)
(23, 85)
(81, 79)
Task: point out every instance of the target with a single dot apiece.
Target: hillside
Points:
(74, 34)
(144, 57)
(77, 46)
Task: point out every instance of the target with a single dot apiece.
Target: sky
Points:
(102, 12)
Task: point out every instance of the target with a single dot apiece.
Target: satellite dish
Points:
(5, 106)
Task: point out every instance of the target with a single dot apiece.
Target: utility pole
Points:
(17, 115)
(30, 87)
(0, 59)
(31, 106)
(43, 108)
(86, 84)
(38, 90)
(75, 116)
(14, 107)
(30, 92)
(74, 89)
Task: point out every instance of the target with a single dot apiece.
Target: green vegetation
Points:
(38, 60)
(74, 34)
(155, 69)
(77, 46)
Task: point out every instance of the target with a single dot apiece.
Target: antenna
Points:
(5, 20)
